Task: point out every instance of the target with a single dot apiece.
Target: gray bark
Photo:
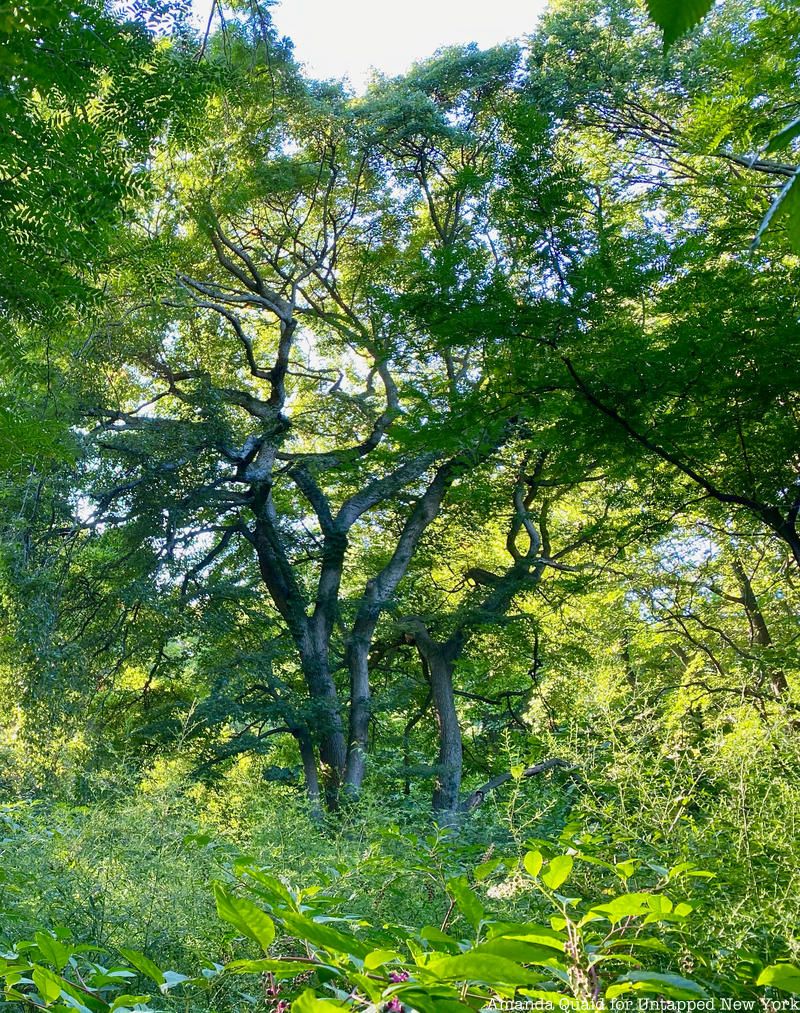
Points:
(478, 797)
(378, 593)
(450, 759)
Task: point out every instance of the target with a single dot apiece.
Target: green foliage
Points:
(329, 949)
(245, 916)
(87, 92)
(783, 976)
(676, 17)
(398, 566)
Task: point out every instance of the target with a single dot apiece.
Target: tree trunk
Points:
(758, 626)
(309, 761)
(312, 640)
(438, 660)
(360, 708)
(326, 720)
(448, 777)
(377, 594)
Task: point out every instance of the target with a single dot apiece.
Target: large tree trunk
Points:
(377, 594)
(326, 720)
(312, 639)
(309, 761)
(360, 707)
(438, 660)
(448, 778)
(360, 697)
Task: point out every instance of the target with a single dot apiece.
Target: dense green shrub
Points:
(234, 897)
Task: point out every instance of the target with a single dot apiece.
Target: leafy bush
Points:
(514, 926)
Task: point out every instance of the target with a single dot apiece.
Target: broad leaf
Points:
(467, 900)
(784, 137)
(379, 957)
(278, 968)
(128, 1002)
(783, 976)
(676, 17)
(786, 206)
(528, 932)
(52, 950)
(309, 1003)
(520, 951)
(673, 986)
(321, 935)
(245, 916)
(483, 967)
(48, 985)
(533, 862)
(144, 964)
(557, 871)
(627, 905)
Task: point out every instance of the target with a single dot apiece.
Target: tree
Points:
(676, 19)
(231, 413)
(381, 388)
(86, 93)
(679, 343)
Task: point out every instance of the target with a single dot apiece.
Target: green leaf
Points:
(114, 976)
(128, 1001)
(275, 890)
(673, 986)
(48, 985)
(434, 999)
(529, 932)
(485, 869)
(660, 908)
(467, 900)
(533, 862)
(379, 957)
(783, 137)
(783, 976)
(80, 1000)
(627, 905)
(520, 951)
(321, 935)
(245, 916)
(434, 935)
(786, 206)
(280, 968)
(368, 984)
(144, 964)
(309, 1003)
(487, 968)
(689, 869)
(53, 951)
(676, 17)
(638, 942)
(557, 871)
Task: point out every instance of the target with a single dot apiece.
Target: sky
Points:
(345, 38)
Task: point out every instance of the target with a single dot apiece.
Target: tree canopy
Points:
(423, 449)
